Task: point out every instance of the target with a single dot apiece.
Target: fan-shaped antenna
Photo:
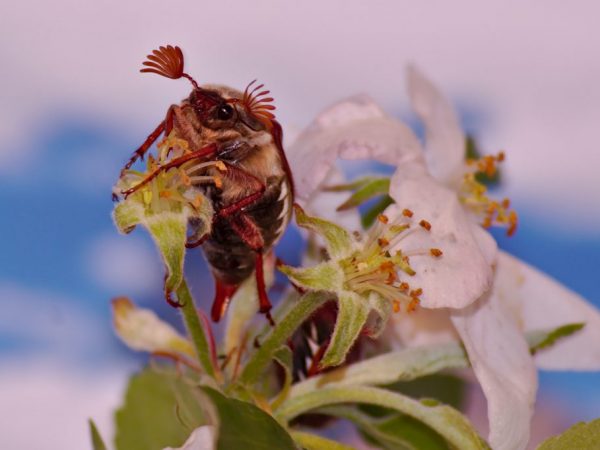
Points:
(258, 103)
(167, 62)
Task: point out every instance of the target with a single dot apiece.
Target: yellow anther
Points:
(412, 306)
(383, 242)
(221, 166)
(396, 306)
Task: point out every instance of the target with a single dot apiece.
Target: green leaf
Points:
(368, 217)
(539, 340)
(402, 365)
(338, 241)
(391, 431)
(445, 420)
(581, 436)
(97, 442)
(244, 426)
(351, 186)
(370, 189)
(161, 409)
(353, 312)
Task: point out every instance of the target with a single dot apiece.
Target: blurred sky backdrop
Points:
(524, 76)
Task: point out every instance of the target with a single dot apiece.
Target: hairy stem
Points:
(194, 328)
(288, 322)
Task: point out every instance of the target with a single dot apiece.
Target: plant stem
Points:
(297, 313)
(194, 328)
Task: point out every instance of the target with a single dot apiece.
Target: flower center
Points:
(381, 266)
(473, 194)
(169, 190)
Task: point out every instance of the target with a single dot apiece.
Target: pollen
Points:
(382, 265)
(436, 252)
(383, 218)
(473, 194)
(423, 223)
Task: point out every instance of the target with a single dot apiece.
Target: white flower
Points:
(490, 322)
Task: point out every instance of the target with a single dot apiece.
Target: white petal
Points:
(324, 203)
(539, 302)
(355, 128)
(444, 138)
(503, 366)
(202, 438)
(462, 274)
(421, 327)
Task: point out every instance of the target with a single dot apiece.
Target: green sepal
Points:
(338, 241)
(382, 309)
(127, 215)
(353, 312)
(326, 276)
(169, 231)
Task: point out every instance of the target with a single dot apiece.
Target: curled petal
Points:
(463, 273)
(142, 330)
(538, 302)
(444, 138)
(503, 366)
(355, 128)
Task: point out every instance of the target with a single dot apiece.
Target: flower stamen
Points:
(473, 194)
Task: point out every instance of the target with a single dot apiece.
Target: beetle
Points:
(253, 205)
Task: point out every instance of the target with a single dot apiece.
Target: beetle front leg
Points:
(141, 151)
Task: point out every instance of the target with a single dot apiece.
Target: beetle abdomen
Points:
(231, 259)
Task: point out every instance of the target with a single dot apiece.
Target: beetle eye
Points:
(224, 111)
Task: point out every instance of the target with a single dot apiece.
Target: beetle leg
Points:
(209, 150)
(250, 234)
(140, 152)
(247, 179)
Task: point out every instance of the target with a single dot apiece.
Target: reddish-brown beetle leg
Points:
(169, 296)
(197, 242)
(140, 152)
(263, 298)
(208, 151)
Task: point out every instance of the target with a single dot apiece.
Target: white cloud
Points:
(532, 64)
(125, 265)
(46, 405)
(63, 369)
